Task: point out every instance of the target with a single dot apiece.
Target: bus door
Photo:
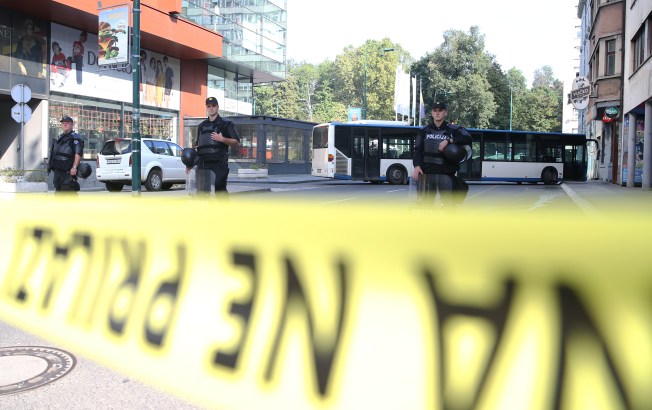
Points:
(575, 162)
(365, 161)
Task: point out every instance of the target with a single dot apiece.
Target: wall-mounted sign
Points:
(580, 92)
(612, 112)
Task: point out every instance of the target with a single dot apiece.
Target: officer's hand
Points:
(417, 171)
(73, 171)
(217, 136)
(442, 145)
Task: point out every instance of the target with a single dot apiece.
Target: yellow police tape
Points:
(252, 304)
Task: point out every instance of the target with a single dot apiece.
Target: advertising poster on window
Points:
(638, 150)
(74, 69)
(23, 45)
(112, 37)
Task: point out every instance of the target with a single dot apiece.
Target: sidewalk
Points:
(237, 184)
(594, 196)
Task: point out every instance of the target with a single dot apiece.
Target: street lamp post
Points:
(364, 82)
(510, 107)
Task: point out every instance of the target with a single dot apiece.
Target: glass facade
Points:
(254, 31)
(23, 52)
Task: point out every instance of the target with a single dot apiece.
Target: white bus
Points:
(382, 151)
(373, 151)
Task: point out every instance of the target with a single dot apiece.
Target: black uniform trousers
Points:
(220, 170)
(64, 182)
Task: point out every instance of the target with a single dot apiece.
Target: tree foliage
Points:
(478, 93)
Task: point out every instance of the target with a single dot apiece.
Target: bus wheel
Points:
(550, 176)
(396, 176)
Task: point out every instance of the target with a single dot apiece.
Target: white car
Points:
(160, 161)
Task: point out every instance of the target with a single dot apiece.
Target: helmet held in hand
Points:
(188, 156)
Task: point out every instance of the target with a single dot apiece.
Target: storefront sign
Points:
(580, 92)
(75, 70)
(611, 112)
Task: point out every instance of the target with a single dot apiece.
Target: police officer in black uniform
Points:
(214, 138)
(65, 154)
(434, 172)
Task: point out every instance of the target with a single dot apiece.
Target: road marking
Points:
(339, 200)
(579, 201)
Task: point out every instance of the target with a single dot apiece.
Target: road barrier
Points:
(250, 304)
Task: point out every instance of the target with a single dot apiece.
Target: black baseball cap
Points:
(439, 105)
(66, 118)
(211, 101)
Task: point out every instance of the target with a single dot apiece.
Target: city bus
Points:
(381, 151)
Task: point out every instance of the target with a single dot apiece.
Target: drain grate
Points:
(28, 367)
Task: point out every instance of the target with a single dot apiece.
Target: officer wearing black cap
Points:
(214, 138)
(434, 171)
(66, 152)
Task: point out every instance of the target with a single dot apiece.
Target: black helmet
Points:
(188, 156)
(84, 170)
(455, 153)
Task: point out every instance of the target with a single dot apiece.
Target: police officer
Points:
(65, 154)
(433, 172)
(214, 138)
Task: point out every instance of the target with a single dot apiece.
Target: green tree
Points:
(540, 108)
(478, 93)
(457, 72)
(517, 84)
(349, 77)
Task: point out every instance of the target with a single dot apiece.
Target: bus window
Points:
(397, 148)
(495, 147)
(343, 140)
(320, 137)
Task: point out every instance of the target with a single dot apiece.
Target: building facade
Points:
(637, 95)
(188, 50)
(615, 57)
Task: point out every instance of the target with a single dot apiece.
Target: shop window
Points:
(100, 124)
(275, 144)
(296, 144)
(248, 143)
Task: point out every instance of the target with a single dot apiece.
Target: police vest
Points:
(206, 147)
(63, 153)
(431, 153)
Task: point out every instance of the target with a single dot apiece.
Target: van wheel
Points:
(113, 186)
(396, 176)
(550, 176)
(154, 180)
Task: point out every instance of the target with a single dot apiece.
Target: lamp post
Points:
(510, 107)
(135, 119)
(511, 100)
(364, 82)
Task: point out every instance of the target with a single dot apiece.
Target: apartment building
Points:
(615, 57)
(188, 50)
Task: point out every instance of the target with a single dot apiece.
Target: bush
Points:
(17, 175)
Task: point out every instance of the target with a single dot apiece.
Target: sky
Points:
(522, 34)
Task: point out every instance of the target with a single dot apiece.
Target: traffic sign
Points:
(21, 113)
(21, 93)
